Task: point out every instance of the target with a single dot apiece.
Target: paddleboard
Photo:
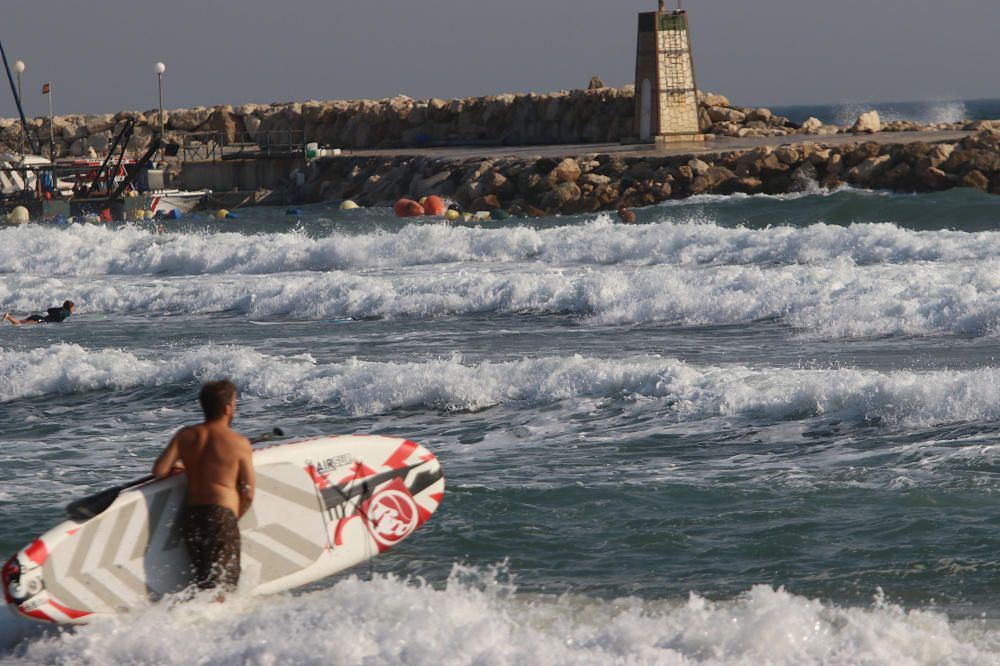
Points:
(321, 505)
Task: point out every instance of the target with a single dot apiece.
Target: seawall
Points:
(599, 115)
(592, 181)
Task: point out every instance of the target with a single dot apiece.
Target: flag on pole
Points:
(45, 89)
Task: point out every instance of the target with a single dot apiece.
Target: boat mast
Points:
(17, 99)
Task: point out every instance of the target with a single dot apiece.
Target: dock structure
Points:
(666, 100)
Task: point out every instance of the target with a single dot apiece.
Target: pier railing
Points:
(215, 146)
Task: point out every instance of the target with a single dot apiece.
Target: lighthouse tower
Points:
(666, 97)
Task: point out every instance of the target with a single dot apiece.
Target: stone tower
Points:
(666, 97)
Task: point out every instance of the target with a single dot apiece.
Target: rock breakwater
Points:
(597, 115)
(593, 182)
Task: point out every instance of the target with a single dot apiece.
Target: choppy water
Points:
(743, 430)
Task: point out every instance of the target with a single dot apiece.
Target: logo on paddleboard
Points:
(392, 515)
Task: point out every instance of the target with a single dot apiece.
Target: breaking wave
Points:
(838, 299)
(474, 618)
(686, 392)
(95, 250)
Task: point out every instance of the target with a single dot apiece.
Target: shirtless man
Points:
(219, 465)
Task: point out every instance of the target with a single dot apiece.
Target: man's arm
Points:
(169, 459)
(246, 480)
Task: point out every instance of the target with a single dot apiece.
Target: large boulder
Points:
(939, 153)
(561, 198)
(871, 167)
(224, 122)
(487, 203)
(251, 123)
(99, 123)
(867, 123)
(710, 99)
(99, 142)
(962, 161)
(249, 109)
(188, 120)
(811, 125)
(73, 128)
(594, 180)
(787, 154)
(717, 176)
(721, 114)
(976, 179)
(699, 167)
(567, 171)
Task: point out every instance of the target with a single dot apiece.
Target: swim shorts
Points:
(212, 538)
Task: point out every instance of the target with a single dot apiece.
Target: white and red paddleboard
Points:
(321, 505)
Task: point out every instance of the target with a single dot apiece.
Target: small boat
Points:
(19, 174)
(166, 201)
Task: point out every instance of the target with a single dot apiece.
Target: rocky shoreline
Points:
(536, 186)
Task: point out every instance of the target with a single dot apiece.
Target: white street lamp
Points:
(160, 68)
(19, 68)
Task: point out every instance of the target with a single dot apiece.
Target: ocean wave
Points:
(467, 621)
(835, 300)
(684, 392)
(95, 250)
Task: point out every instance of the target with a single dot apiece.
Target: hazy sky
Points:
(99, 54)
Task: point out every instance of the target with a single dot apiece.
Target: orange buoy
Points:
(434, 205)
(106, 215)
(408, 208)
(626, 215)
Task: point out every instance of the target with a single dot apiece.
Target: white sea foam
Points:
(95, 250)
(929, 112)
(686, 392)
(836, 299)
(388, 621)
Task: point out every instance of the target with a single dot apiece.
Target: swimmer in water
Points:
(52, 316)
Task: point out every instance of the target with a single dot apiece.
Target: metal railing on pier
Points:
(215, 146)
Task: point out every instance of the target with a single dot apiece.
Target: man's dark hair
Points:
(68, 304)
(215, 396)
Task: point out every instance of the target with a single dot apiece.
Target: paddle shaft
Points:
(88, 507)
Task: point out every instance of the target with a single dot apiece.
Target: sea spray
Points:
(389, 620)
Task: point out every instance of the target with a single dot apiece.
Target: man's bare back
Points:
(218, 462)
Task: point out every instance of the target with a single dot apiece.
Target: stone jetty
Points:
(598, 115)
(413, 150)
(604, 181)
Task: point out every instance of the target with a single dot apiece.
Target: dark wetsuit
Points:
(213, 542)
(54, 316)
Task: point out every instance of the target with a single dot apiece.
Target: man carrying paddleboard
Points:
(218, 462)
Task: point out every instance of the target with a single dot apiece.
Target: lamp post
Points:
(19, 68)
(160, 68)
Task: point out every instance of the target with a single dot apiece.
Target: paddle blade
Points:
(88, 507)
(275, 432)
